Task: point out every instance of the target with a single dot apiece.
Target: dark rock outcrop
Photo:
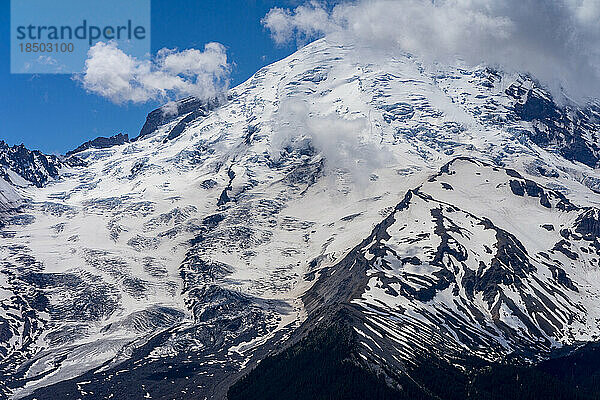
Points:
(163, 115)
(101, 143)
(33, 166)
(572, 130)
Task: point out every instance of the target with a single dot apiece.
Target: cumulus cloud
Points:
(304, 23)
(171, 74)
(557, 42)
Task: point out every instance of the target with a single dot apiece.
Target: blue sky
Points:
(54, 113)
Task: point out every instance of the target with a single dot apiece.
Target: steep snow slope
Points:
(181, 257)
(9, 198)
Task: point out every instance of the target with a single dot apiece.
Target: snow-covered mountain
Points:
(443, 216)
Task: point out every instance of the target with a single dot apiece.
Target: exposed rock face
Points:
(33, 166)
(190, 107)
(101, 143)
(573, 131)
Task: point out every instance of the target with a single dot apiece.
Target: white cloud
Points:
(557, 42)
(345, 144)
(170, 108)
(303, 23)
(111, 73)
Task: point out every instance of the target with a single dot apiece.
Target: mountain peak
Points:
(101, 143)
